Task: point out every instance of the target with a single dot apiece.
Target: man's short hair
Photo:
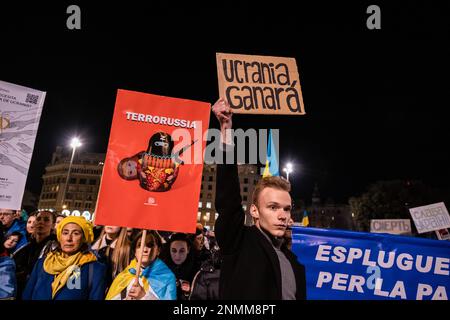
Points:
(270, 182)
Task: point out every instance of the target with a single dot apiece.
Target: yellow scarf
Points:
(63, 267)
(123, 280)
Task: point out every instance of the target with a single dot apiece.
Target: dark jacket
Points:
(250, 267)
(26, 258)
(205, 285)
(186, 271)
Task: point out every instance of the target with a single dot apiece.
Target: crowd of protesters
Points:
(45, 256)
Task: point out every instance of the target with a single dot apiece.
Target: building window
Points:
(92, 182)
(208, 196)
(201, 195)
(210, 178)
(245, 189)
(199, 215)
(203, 178)
(209, 187)
(244, 198)
(72, 180)
(82, 181)
(201, 187)
(208, 205)
(207, 216)
(216, 216)
(200, 204)
(245, 180)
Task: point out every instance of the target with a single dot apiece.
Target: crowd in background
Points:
(48, 256)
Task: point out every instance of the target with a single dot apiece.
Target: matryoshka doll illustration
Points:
(159, 170)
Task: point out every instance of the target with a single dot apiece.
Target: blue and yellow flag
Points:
(305, 220)
(271, 168)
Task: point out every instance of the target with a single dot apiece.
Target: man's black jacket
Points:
(250, 268)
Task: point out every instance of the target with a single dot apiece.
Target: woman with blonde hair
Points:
(113, 249)
(71, 271)
(156, 281)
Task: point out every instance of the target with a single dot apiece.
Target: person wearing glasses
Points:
(256, 261)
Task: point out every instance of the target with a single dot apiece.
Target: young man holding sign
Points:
(256, 262)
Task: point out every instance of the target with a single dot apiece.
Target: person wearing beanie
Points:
(71, 271)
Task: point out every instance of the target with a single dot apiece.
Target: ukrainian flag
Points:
(305, 220)
(271, 168)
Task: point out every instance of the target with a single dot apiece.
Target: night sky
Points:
(376, 100)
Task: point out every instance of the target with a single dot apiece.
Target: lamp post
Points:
(288, 169)
(75, 143)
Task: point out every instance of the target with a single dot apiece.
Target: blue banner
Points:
(346, 265)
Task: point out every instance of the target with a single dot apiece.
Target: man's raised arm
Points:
(229, 226)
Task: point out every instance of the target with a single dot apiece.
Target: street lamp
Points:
(288, 169)
(75, 143)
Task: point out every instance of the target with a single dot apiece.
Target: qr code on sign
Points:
(32, 98)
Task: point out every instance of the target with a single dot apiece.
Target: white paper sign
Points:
(392, 226)
(20, 112)
(430, 218)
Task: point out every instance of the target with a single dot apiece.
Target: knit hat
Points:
(85, 225)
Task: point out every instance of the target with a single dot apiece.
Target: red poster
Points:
(153, 168)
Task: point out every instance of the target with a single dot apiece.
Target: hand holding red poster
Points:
(153, 168)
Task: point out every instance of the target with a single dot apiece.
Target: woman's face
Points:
(44, 223)
(179, 251)
(30, 224)
(149, 255)
(11, 242)
(71, 238)
(199, 241)
(112, 230)
(58, 220)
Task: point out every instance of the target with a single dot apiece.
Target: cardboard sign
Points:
(153, 168)
(260, 84)
(392, 226)
(20, 112)
(430, 218)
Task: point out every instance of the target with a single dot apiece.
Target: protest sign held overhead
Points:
(347, 265)
(430, 218)
(392, 226)
(153, 168)
(260, 84)
(20, 112)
